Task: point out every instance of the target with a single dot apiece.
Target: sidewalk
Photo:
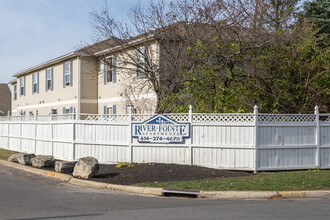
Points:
(158, 191)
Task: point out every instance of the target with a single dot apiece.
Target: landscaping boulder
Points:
(64, 167)
(25, 159)
(86, 167)
(14, 157)
(40, 161)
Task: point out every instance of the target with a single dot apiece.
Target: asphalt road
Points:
(28, 196)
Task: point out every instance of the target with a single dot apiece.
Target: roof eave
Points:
(13, 81)
(48, 63)
(126, 45)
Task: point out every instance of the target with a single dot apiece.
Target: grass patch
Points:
(264, 181)
(4, 154)
(124, 164)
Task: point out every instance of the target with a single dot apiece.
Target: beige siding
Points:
(44, 101)
(128, 89)
(13, 102)
(89, 85)
(92, 94)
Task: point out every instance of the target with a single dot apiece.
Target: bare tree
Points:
(164, 41)
(153, 45)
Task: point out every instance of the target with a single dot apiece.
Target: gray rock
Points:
(64, 167)
(25, 159)
(86, 167)
(14, 157)
(42, 161)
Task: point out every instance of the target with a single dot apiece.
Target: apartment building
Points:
(101, 82)
(59, 86)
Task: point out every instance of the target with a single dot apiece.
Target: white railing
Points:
(50, 117)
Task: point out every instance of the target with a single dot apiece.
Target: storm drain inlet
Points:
(180, 193)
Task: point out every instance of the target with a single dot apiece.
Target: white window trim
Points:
(142, 60)
(49, 78)
(67, 74)
(35, 82)
(22, 85)
(111, 70)
(15, 92)
(110, 107)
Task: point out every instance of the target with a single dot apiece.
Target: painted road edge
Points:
(158, 191)
(87, 183)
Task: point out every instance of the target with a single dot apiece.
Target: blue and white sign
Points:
(160, 129)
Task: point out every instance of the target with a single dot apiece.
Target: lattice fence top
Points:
(183, 117)
(223, 118)
(325, 118)
(109, 118)
(140, 117)
(286, 118)
(38, 117)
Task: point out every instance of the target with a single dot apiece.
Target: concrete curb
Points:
(158, 191)
(80, 182)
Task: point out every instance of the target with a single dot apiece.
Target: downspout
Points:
(79, 88)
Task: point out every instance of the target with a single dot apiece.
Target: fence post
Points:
(73, 140)
(20, 133)
(130, 134)
(255, 139)
(35, 137)
(191, 152)
(8, 139)
(317, 137)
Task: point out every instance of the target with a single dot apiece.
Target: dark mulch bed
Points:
(142, 173)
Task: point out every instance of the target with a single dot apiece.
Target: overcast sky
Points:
(34, 31)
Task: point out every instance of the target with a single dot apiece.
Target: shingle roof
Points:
(5, 98)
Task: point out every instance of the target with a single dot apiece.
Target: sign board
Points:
(160, 129)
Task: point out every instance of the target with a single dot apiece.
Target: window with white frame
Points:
(49, 79)
(15, 92)
(109, 110)
(68, 110)
(67, 73)
(53, 111)
(142, 57)
(22, 85)
(109, 69)
(35, 83)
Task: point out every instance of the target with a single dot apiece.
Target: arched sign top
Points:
(160, 129)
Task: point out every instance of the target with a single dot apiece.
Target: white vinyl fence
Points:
(252, 142)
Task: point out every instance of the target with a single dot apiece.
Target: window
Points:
(22, 86)
(15, 92)
(109, 110)
(49, 79)
(67, 110)
(67, 74)
(110, 69)
(53, 111)
(35, 83)
(142, 56)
